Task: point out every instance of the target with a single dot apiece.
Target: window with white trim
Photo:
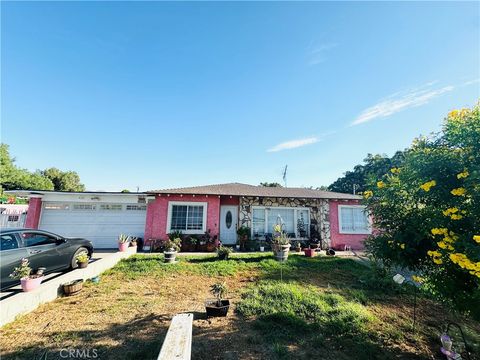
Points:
(295, 221)
(90, 207)
(188, 217)
(353, 219)
(113, 207)
(136, 207)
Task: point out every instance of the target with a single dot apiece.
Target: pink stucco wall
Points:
(157, 214)
(229, 200)
(337, 240)
(33, 213)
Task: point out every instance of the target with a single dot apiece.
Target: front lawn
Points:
(307, 308)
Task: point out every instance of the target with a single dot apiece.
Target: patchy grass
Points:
(307, 308)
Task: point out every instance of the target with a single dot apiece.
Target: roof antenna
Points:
(285, 175)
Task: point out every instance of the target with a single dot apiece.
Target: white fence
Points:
(12, 219)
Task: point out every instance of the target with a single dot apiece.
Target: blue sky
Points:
(161, 95)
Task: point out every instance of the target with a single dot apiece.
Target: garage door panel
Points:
(102, 227)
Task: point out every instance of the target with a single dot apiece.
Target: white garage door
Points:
(100, 223)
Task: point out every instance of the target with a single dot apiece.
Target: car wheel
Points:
(73, 263)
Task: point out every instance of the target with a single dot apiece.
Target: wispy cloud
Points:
(317, 54)
(292, 144)
(401, 101)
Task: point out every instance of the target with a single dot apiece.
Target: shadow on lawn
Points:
(140, 339)
(284, 336)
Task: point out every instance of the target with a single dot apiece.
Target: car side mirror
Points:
(60, 241)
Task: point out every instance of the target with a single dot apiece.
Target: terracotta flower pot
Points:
(309, 252)
(30, 284)
(82, 265)
(122, 247)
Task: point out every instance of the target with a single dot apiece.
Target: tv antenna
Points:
(285, 175)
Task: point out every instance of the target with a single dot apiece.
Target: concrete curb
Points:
(24, 302)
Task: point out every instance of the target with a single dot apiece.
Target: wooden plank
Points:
(178, 342)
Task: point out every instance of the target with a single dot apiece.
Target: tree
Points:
(64, 180)
(428, 210)
(374, 166)
(14, 178)
(270, 184)
(125, 191)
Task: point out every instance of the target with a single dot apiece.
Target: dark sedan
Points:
(41, 248)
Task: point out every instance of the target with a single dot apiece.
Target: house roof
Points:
(238, 189)
(25, 193)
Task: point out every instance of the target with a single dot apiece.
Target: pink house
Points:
(337, 219)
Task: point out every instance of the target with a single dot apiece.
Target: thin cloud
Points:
(401, 101)
(292, 144)
(317, 54)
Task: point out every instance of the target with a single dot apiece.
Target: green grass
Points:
(304, 307)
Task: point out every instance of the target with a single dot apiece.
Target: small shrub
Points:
(223, 252)
(22, 271)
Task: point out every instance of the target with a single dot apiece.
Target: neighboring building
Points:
(338, 219)
(13, 215)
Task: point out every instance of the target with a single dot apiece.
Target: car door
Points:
(43, 250)
(11, 255)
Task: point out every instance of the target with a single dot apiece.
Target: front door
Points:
(228, 224)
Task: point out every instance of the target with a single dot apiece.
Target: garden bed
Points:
(327, 308)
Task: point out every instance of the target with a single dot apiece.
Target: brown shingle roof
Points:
(237, 189)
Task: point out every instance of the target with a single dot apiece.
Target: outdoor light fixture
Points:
(400, 279)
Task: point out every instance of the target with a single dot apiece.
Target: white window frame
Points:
(171, 204)
(268, 228)
(360, 232)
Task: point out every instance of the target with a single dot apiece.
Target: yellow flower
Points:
(463, 175)
(476, 238)
(458, 191)
(437, 261)
(417, 279)
(395, 170)
(450, 211)
(439, 231)
(402, 246)
(380, 184)
(428, 185)
(368, 194)
(456, 217)
(453, 113)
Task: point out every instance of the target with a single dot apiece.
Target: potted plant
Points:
(82, 259)
(23, 273)
(217, 306)
(280, 243)
(298, 246)
(309, 252)
(223, 252)
(171, 247)
(133, 242)
(243, 233)
(207, 242)
(123, 241)
(72, 287)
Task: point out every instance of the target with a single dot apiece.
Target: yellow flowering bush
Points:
(428, 214)
(368, 194)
